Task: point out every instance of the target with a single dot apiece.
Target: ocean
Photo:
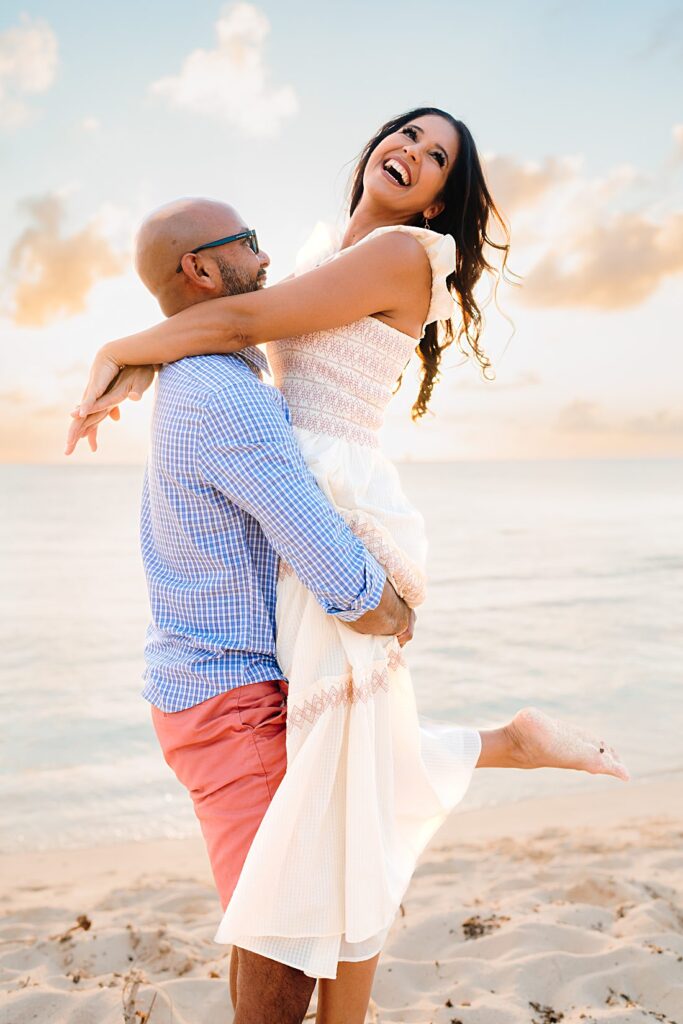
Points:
(553, 583)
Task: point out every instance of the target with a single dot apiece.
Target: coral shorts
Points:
(230, 753)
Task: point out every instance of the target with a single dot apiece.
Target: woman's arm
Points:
(387, 274)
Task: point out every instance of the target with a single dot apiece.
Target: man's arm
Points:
(247, 451)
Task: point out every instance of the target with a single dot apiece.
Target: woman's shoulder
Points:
(393, 245)
(402, 244)
(440, 249)
(392, 249)
(441, 253)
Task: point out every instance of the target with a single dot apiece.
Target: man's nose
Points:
(264, 258)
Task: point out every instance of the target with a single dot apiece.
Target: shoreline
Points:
(571, 904)
(644, 795)
(649, 796)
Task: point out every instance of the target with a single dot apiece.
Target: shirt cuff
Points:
(369, 596)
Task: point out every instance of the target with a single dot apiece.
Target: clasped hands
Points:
(107, 387)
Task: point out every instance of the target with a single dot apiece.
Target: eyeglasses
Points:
(250, 235)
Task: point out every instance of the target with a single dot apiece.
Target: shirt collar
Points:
(255, 358)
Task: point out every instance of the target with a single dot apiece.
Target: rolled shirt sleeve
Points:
(247, 451)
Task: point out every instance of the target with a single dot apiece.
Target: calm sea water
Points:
(555, 583)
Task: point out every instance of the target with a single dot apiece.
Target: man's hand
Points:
(407, 635)
(391, 617)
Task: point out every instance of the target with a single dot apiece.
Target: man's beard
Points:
(235, 282)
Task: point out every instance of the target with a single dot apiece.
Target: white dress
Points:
(367, 782)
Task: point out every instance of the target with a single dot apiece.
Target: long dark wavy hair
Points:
(468, 205)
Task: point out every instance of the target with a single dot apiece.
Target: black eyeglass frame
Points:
(250, 234)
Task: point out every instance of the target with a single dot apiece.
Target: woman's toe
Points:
(614, 765)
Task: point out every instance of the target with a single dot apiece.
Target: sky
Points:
(109, 111)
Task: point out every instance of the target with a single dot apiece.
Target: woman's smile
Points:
(397, 170)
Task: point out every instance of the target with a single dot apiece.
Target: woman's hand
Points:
(104, 370)
(131, 382)
(88, 428)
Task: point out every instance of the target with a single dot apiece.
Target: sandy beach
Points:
(551, 910)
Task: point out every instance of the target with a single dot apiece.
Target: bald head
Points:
(170, 232)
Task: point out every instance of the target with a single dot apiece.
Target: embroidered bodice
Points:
(340, 381)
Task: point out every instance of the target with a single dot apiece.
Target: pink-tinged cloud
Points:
(53, 274)
(612, 264)
(663, 422)
(581, 417)
(29, 430)
(14, 397)
(515, 185)
(34, 430)
(586, 417)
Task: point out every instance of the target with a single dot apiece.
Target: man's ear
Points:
(198, 271)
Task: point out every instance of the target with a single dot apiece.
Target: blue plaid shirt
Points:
(226, 492)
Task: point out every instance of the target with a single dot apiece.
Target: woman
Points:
(366, 784)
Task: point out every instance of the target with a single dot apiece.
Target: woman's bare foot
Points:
(539, 741)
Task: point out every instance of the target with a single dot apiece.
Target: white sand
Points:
(568, 909)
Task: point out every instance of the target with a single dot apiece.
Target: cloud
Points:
(662, 422)
(515, 185)
(231, 82)
(28, 427)
(30, 430)
(605, 242)
(617, 262)
(581, 417)
(14, 397)
(28, 64)
(52, 274)
(586, 417)
(33, 429)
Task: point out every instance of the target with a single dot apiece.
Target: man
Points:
(227, 492)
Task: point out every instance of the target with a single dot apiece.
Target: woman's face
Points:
(409, 168)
